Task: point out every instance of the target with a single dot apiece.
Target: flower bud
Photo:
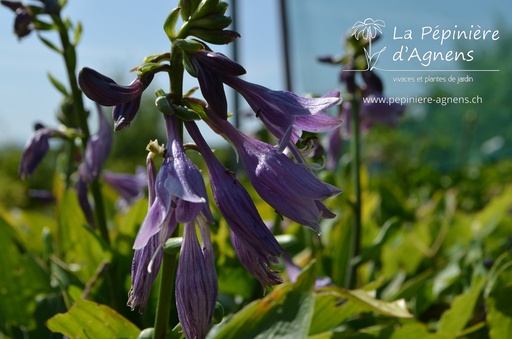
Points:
(217, 37)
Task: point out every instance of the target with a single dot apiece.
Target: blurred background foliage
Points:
(437, 234)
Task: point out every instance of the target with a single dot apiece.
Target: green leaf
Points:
(87, 319)
(22, 280)
(462, 308)
(50, 44)
(284, 313)
(331, 311)
(77, 34)
(364, 298)
(58, 85)
(170, 23)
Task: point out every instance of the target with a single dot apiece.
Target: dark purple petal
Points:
(278, 110)
(241, 214)
(255, 263)
(106, 91)
(145, 265)
(210, 67)
(218, 63)
(196, 282)
(123, 114)
(288, 187)
(212, 89)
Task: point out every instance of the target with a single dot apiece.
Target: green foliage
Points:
(91, 320)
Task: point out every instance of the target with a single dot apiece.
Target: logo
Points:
(368, 30)
(421, 48)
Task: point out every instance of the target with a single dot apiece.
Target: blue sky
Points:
(117, 35)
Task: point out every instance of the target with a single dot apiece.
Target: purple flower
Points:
(145, 265)
(35, 149)
(147, 260)
(196, 281)
(98, 147)
(254, 244)
(24, 20)
(180, 193)
(290, 188)
(210, 66)
(107, 92)
(286, 114)
(255, 262)
(96, 154)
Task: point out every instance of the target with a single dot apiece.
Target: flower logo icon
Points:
(368, 30)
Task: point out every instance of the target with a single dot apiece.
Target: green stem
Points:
(355, 151)
(165, 295)
(69, 55)
(176, 75)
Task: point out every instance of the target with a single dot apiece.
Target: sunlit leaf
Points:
(285, 312)
(366, 299)
(331, 311)
(87, 319)
(461, 310)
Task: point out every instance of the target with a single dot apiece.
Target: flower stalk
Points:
(355, 151)
(69, 55)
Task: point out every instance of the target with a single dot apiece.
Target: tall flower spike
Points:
(256, 247)
(210, 66)
(291, 189)
(196, 281)
(107, 92)
(286, 114)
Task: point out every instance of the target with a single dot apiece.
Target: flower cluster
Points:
(177, 191)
